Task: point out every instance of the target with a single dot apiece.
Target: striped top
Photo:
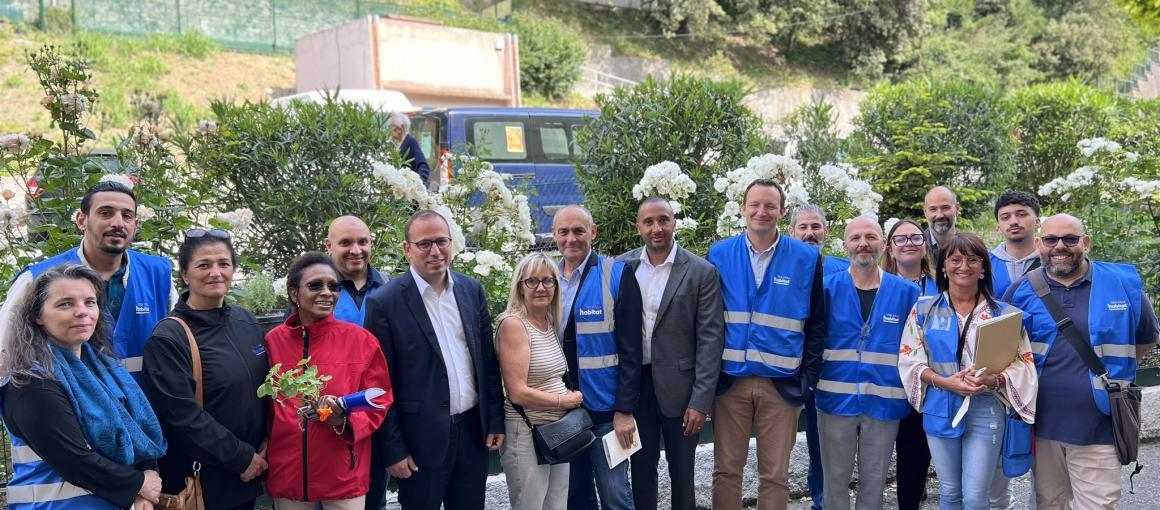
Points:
(546, 369)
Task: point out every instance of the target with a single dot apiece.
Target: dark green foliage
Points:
(920, 134)
(296, 167)
(879, 37)
(551, 53)
(1085, 42)
(699, 124)
(813, 132)
(1049, 120)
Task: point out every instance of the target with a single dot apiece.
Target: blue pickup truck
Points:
(534, 145)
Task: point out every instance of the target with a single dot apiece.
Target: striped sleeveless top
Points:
(546, 369)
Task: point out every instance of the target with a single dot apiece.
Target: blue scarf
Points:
(113, 412)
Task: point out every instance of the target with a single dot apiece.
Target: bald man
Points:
(859, 396)
(1075, 457)
(348, 241)
(941, 208)
(601, 332)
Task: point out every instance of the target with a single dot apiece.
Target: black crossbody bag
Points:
(1124, 401)
(560, 441)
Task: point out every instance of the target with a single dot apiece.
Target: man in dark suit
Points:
(408, 146)
(683, 336)
(437, 336)
(601, 337)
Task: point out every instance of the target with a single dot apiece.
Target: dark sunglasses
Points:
(334, 287)
(195, 233)
(1069, 241)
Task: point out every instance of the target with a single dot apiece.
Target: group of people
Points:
(117, 388)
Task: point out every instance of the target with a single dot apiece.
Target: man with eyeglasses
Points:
(601, 332)
(683, 335)
(436, 334)
(348, 241)
(941, 208)
(139, 286)
(1075, 459)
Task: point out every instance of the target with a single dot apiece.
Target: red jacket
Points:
(319, 464)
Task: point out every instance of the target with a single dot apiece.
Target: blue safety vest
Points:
(347, 309)
(834, 265)
(860, 367)
(596, 350)
(940, 326)
(146, 301)
(1000, 277)
(764, 326)
(36, 486)
(927, 286)
(1113, 316)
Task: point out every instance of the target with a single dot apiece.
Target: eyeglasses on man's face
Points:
(426, 244)
(903, 239)
(532, 283)
(1069, 241)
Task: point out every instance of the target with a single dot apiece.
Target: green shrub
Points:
(257, 294)
(296, 168)
(1049, 119)
(699, 124)
(920, 134)
(551, 53)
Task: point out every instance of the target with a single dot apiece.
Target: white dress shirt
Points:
(652, 281)
(443, 311)
(760, 259)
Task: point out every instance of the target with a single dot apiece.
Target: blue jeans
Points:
(966, 464)
(612, 484)
(815, 479)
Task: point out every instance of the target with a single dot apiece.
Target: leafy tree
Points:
(688, 16)
(699, 124)
(783, 21)
(984, 42)
(813, 134)
(920, 133)
(1084, 42)
(879, 37)
(551, 53)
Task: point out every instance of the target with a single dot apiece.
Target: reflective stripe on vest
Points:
(596, 347)
(764, 319)
(761, 357)
(862, 388)
(36, 486)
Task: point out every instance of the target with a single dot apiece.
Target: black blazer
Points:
(627, 311)
(419, 422)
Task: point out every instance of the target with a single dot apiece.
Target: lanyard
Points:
(966, 327)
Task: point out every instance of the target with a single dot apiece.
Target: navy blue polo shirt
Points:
(1059, 414)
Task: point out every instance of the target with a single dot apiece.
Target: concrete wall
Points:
(432, 64)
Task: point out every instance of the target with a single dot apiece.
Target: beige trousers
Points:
(1088, 476)
(334, 504)
(752, 404)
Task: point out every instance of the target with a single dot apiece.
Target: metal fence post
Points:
(73, 14)
(274, 25)
(177, 4)
(41, 21)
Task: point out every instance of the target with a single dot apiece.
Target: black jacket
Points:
(225, 434)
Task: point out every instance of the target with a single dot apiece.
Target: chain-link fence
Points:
(246, 25)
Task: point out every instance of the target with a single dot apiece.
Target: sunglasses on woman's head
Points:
(195, 233)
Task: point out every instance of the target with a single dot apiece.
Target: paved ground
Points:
(1147, 496)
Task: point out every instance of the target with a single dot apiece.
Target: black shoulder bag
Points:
(1124, 401)
(564, 439)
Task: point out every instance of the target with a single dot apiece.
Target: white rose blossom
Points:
(889, 224)
(238, 219)
(207, 127)
(1063, 186)
(1145, 189)
(280, 287)
(74, 103)
(10, 217)
(664, 179)
(15, 143)
(487, 261)
(145, 213)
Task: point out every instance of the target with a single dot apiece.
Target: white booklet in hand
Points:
(614, 453)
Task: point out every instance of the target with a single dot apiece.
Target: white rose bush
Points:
(666, 180)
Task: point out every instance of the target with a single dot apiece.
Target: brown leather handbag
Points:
(191, 497)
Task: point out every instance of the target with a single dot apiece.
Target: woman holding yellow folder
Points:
(935, 362)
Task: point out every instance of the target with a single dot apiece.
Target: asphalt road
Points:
(1147, 485)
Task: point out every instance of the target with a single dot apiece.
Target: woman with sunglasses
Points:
(323, 459)
(906, 256)
(534, 369)
(935, 362)
(226, 432)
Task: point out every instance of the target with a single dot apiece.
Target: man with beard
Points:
(808, 225)
(1017, 218)
(860, 398)
(348, 241)
(1075, 459)
(941, 208)
(683, 335)
(139, 287)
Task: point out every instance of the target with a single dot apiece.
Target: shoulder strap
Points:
(1065, 324)
(195, 355)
